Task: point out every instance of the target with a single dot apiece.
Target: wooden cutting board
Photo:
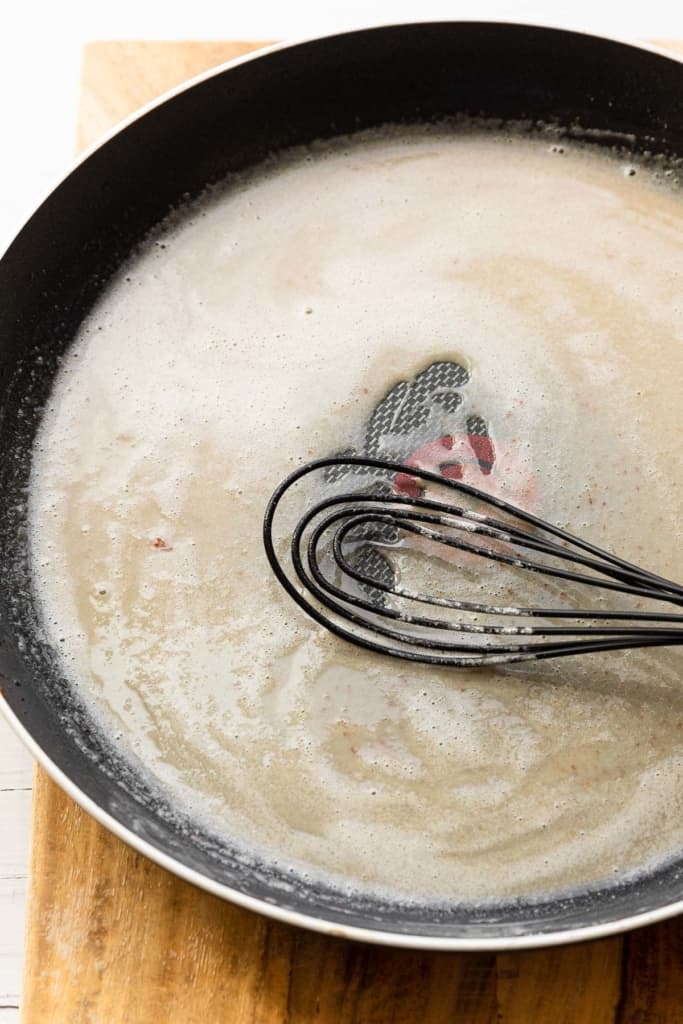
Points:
(114, 939)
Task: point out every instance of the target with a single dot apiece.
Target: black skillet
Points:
(53, 272)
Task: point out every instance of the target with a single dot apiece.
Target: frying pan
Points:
(50, 277)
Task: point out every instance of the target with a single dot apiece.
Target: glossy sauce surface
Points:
(261, 328)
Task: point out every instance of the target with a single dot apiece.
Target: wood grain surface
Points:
(114, 939)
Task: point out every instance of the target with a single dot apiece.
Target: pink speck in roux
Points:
(471, 458)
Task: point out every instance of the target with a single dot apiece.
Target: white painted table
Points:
(16, 769)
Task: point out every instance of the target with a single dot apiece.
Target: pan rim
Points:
(374, 936)
(286, 44)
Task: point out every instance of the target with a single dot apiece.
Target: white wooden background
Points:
(16, 770)
(39, 59)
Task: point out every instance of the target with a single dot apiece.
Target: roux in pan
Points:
(261, 327)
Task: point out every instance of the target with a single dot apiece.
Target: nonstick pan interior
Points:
(53, 272)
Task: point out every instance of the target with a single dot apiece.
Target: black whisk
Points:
(359, 600)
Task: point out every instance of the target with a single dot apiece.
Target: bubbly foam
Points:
(260, 328)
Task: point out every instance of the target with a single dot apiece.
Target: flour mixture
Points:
(260, 328)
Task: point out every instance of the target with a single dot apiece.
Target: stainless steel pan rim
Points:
(288, 44)
(373, 936)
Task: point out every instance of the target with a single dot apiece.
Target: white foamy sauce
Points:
(259, 329)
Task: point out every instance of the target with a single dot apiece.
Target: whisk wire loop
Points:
(355, 603)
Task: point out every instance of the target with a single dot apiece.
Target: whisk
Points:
(358, 600)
